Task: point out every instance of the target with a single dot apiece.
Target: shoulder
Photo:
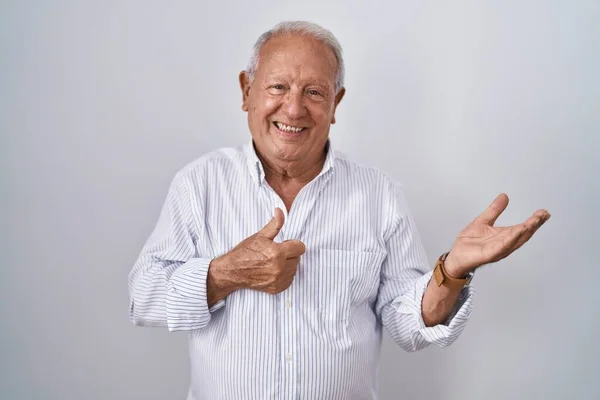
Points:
(367, 176)
(384, 192)
(222, 158)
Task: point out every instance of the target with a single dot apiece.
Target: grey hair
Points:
(302, 28)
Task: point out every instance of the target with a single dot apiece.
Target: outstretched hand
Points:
(481, 242)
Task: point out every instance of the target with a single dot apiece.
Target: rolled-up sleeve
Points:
(187, 304)
(167, 284)
(405, 274)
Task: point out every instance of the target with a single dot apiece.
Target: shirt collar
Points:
(257, 171)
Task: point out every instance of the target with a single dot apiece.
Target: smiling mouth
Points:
(288, 128)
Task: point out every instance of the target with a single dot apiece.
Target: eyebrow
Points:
(277, 76)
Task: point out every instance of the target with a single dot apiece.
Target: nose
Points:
(294, 104)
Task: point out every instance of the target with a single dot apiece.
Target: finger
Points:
(494, 210)
(533, 223)
(538, 218)
(516, 234)
(544, 214)
(532, 227)
(272, 228)
(292, 248)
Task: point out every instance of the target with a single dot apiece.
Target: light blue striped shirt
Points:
(364, 268)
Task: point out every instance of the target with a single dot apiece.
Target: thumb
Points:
(494, 210)
(272, 228)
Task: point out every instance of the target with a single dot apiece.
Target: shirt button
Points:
(288, 304)
(288, 357)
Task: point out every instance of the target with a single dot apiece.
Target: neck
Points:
(280, 173)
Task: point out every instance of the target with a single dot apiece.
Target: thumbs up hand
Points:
(258, 262)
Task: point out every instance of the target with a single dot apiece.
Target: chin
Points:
(288, 152)
(287, 149)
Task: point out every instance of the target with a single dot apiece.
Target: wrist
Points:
(219, 279)
(453, 269)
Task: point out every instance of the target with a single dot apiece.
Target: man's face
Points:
(291, 102)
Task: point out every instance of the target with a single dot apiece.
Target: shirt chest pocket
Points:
(339, 280)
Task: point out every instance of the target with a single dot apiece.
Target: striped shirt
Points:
(364, 268)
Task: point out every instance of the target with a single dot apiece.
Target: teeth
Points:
(287, 128)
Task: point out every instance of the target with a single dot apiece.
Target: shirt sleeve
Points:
(405, 274)
(167, 284)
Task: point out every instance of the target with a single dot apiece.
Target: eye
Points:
(277, 88)
(314, 92)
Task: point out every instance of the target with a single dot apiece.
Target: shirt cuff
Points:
(187, 303)
(217, 306)
(442, 334)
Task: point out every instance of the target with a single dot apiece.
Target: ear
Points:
(245, 86)
(338, 98)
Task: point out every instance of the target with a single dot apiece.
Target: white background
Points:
(102, 102)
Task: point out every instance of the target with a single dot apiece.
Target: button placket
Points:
(292, 227)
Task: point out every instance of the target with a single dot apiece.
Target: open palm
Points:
(481, 242)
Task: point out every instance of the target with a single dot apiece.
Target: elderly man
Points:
(283, 259)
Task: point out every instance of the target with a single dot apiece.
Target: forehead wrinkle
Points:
(282, 54)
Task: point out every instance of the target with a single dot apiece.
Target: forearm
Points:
(438, 303)
(415, 310)
(218, 284)
(402, 314)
